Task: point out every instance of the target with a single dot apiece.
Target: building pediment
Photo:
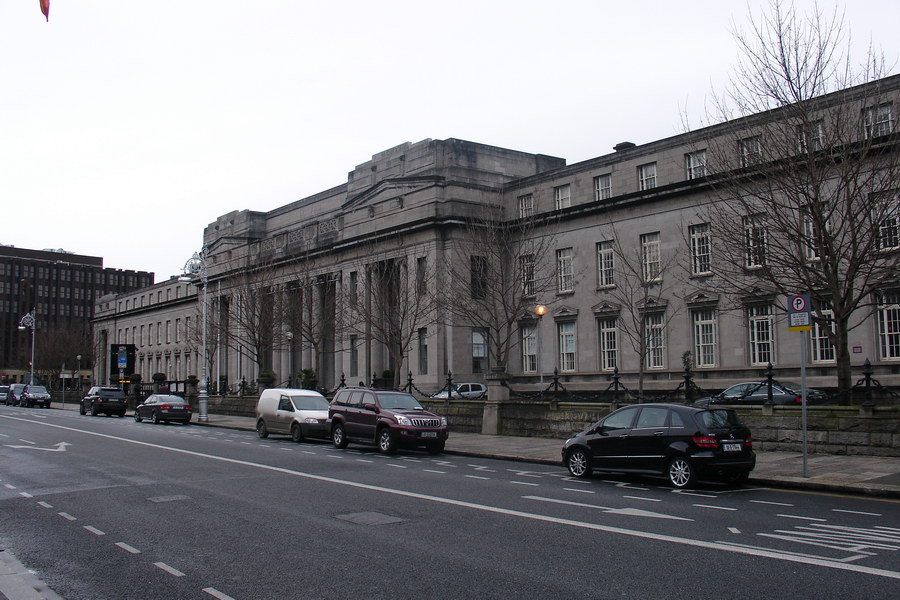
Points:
(563, 313)
(702, 299)
(606, 308)
(388, 189)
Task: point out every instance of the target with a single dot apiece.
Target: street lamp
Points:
(290, 339)
(28, 321)
(540, 310)
(194, 269)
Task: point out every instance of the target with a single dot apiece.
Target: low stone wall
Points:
(238, 406)
(830, 429)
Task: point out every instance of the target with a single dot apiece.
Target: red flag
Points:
(45, 8)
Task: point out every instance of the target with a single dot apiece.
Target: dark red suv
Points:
(385, 418)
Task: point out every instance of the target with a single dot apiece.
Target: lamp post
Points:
(540, 310)
(194, 269)
(28, 321)
(290, 339)
(78, 388)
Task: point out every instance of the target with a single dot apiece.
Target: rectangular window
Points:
(423, 351)
(567, 357)
(701, 249)
(751, 151)
(889, 325)
(602, 187)
(650, 256)
(761, 327)
(704, 337)
(754, 241)
(177, 331)
(168, 331)
(565, 280)
(695, 164)
(526, 205)
(479, 351)
(822, 348)
(647, 176)
(354, 294)
(421, 275)
(478, 271)
(562, 195)
(526, 272)
(529, 349)
(811, 241)
(606, 264)
(654, 324)
(354, 356)
(878, 120)
(811, 138)
(609, 343)
(888, 218)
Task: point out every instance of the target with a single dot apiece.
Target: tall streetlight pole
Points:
(194, 269)
(540, 310)
(28, 321)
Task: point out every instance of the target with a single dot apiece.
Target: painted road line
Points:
(857, 512)
(25, 495)
(642, 498)
(363, 460)
(217, 594)
(94, 530)
(778, 555)
(45, 505)
(435, 471)
(771, 503)
(397, 466)
(128, 548)
(802, 518)
(695, 494)
(308, 452)
(525, 483)
(579, 491)
(734, 530)
(168, 569)
(9, 486)
(27, 442)
(714, 507)
(67, 516)
(476, 477)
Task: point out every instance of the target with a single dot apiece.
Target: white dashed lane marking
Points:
(94, 530)
(217, 594)
(714, 507)
(168, 569)
(802, 518)
(857, 512)
(128, 548)
(476, 477)
(771, 503)
(642, 498)
(67, 516)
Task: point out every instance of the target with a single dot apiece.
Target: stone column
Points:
(497, 394)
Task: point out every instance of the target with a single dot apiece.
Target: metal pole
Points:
(33, 328)
(803, 401)
(204, 380)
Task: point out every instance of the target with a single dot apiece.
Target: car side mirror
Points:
(372, 407)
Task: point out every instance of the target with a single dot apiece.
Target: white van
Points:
(298, 413)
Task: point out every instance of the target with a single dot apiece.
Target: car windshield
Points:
(718, 419)
(309, 402)
(392, 401)
(37, 389)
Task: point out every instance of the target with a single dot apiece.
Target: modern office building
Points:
(62, 288)
(647, 258)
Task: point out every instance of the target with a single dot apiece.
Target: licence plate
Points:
(429, 434)
(731, 447)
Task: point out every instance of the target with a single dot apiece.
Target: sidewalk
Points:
(871, 475)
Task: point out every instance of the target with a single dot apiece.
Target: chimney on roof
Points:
(623, 146)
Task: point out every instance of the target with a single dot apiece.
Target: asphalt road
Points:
(104, 508)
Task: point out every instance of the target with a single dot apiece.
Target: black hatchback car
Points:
(163, 408)
(682, 443)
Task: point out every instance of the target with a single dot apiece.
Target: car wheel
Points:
(385, 441)
(81, 410)
(261, 430)
(137, 416)
(156, 419)
(435, 447)
(296, 433)
(94, 411)
(338, 437)
(681, 473)
(579, 463)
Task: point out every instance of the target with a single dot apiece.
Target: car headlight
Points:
(312, 420)
(403, 420)
(443, 421)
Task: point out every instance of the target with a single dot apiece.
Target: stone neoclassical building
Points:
(389, 271)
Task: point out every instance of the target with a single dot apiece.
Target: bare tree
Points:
(500, 269)
(60, 346)
(637, 278)
(808, 179)
(396, 296)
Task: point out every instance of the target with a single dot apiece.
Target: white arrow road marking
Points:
(60, 447)
(633, 512)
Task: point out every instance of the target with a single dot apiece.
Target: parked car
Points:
(387, 419)
(16, 394)
(294, 412)
(108, 400)
(163, 408)
(36, 395)
(4, 394)
(682, 443)
(468, 391)
(757, 392)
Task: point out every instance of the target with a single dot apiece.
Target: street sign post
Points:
(800, 319)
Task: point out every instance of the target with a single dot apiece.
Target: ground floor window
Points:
(529, 349)
(889, 326)
(761, 327)
(567, 356)
(704, 337)
(822, 348)
(654, 324)
(479, 351)
(609, 343)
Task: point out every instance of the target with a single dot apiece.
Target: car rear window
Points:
(718, 419)
(111, 394)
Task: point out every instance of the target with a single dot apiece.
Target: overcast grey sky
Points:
(127, 127)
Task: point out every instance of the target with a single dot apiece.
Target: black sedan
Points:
(163, 408)
(757, 392)
(682, 443)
